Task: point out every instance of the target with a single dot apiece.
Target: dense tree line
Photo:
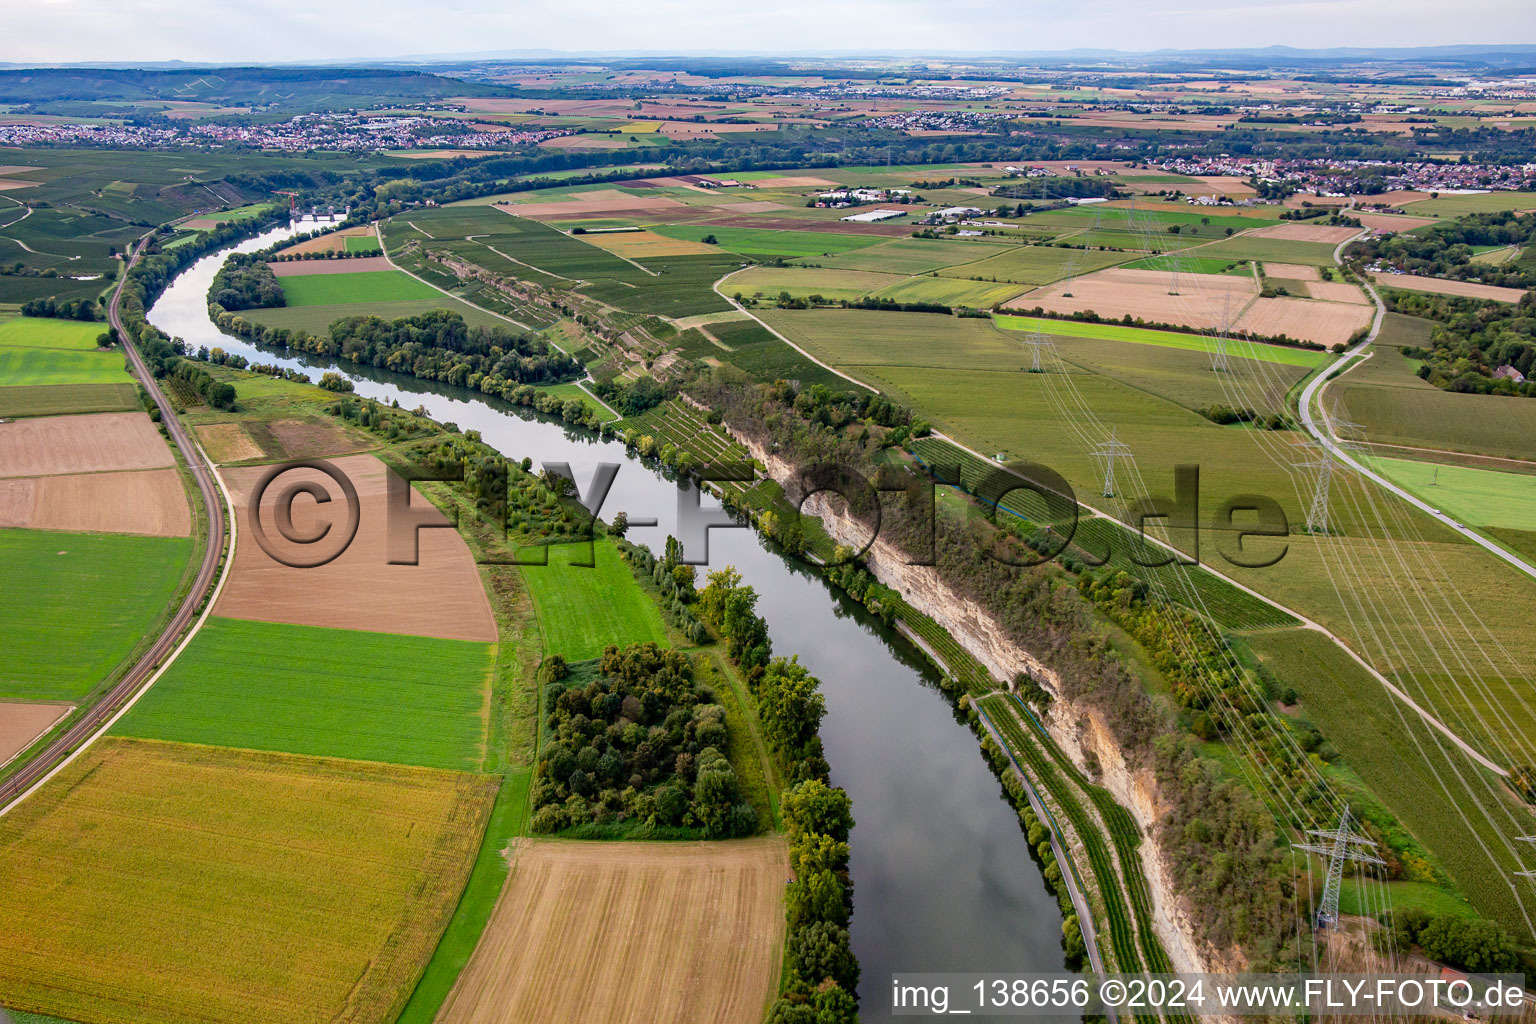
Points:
(636, 741)
(1447, 250)
(62, 309)
(1471, 340)
(1468, 943)
(246, 283)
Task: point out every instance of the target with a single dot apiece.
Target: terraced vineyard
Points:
(955, 659)
(1228, 606)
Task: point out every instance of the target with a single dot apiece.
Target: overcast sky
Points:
(296, 30)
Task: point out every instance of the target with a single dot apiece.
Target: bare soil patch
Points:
(151, 502)
(1226, 185)
(1202, 300)
(89, 443)
(646, 243)
(1305, 233)
(1292, 271)
(1335, 291)
(21, 723)
(1308, 319)
(793, 181)
(1441, 286)
(304, 439)
(304, 268)
(228, 442)
(440, 596)
(576, 934)
(607, 202)
(7, 184)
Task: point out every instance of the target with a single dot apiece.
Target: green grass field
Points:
(1036, 264)
(908, 256)
(568, 391)
(1280, 354)
(40, 332)
(1274, 250)
(801, 282)
(362, 243)
(581, 611)
(951, 291)
(75, 604)
(26, 367)
(316, 319)
(1187, 264)
(366, 287)
(59, 399)
(768, 242)
(1460, 206)
(323, 692)
(1479, 497)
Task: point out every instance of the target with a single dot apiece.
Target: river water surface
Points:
(943, 879)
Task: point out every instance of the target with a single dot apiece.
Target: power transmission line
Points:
(1038, 342)
(1109, 451)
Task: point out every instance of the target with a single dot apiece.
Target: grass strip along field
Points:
(91, 595)
(583, 610)
(333, 879)
(63, 399)
(323, 692)
(1229, 606)
(1281, 354)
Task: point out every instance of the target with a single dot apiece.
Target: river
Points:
(943, 878)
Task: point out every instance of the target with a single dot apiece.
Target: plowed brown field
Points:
(441, 596)
(1307, 319)
(21, 723)
(1203, 300)
(81, 444)
(151, 502)
(630, 933)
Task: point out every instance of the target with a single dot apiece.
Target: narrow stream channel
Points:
(943, 879)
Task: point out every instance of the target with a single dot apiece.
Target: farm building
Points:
(871, 216)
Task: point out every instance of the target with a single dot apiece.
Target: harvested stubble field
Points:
(1305, 233)
(150, 502)
(644, 243)
(93, 596)
(1335, 291)
(1197, 300)
(324, 692)
(1445, 286)
(65, 399)
(131, 877)
(308, 268)
(441, 596)
(1327, 323)
(1293, 271)
(228, 442)
(81, 444)
(574, 935)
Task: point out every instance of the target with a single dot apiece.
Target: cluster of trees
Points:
(823, 972)
(435, 345)
(218, 394)
(1446, 250)
(245, 282)
(670, 575)
(1471, 340)
(1226, 415)
(1472, 944)
(62, 309)
(638, 741)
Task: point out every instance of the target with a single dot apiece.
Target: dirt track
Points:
(49, 445)
(442, 596)
(151, 502)
(630, 933)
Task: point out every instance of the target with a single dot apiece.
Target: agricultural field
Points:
(1201, 301)
(1446, 286)
(767, 242)
(440, 596)
(42, 332)
(1278, 250)
(367, 287)
(1035, 264)
(582, 610)
(47, 579)
(912, 255)
(802, 282)
(150, 502)
(318, 319)
(950, 291)
(180, 853)
(326, 693)
(1428, 785)
(1395, 407)
(63, 399)
(1279, 354)
(597, 909)
(24, 367)
(1478, 497)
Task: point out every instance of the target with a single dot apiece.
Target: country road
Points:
(101, 714)
(1330, 444)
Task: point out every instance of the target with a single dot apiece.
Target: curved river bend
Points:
(943, 879)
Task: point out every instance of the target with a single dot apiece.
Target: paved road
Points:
(1324, 436)
(103, 710)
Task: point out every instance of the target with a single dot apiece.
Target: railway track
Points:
(102, 712)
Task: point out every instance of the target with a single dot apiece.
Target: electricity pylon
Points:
(1037, 343)
(1343, 844)
(1317, 512)
(1109, 451)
